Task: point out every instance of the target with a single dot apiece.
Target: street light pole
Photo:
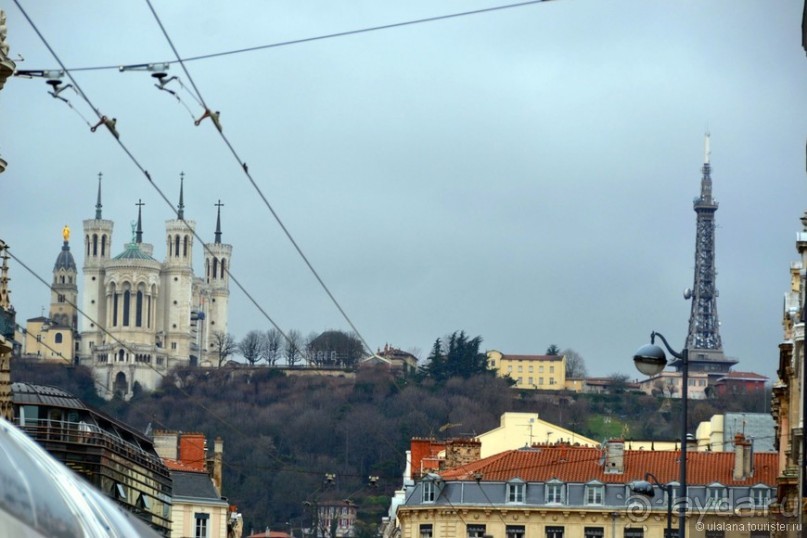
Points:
(643, 487)
(650, 360)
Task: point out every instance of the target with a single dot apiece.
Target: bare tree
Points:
(309, 353)
(223, 345)
(251, 347)
(575, 364)
(273, 341)
(293, 349)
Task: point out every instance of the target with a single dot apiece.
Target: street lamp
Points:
(651, 360)
(643, 487)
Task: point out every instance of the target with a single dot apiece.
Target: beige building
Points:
(518, 430)
(564, 491)
(788, 395)
(668, 384)
(537, 372)
(198, 508)
(44, 339)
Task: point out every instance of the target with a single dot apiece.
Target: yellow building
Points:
(45, 339)
(537, 372)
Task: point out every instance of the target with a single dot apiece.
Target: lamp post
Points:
(643, 487)
(651, 360)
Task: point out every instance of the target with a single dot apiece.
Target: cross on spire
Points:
(98, 203)
(218, 221)
(139, 233)
(181, 208)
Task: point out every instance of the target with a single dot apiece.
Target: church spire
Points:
(139, 232)
(181, 207)
(218, 223)
(98, 203)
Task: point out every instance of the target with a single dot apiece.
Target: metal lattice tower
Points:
(703, 337)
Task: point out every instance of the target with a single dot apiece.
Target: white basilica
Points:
(143, 317)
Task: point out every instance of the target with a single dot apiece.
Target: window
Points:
(515, 492)
(173, 345)
(58, 338)
(551, 380)
(593, 532)
(716, 496)
(554, 493)
(554, 532)
(540, 380)
(514, 531)
(761, 496)
(428, 491)
(426, 531)
(530, 368)
(126, 299)
(541, 369)
(633, 533)
(520, 368)
(200, 529)
(476, 531)
(551, 369)
(529, 381)
(594, 493)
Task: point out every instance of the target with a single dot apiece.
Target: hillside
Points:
(283, 434)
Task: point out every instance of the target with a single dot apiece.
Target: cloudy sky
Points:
(524, 174)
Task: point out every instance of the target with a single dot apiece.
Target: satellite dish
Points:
(687, 294)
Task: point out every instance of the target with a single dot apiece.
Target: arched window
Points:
(207, 269)
(176, 246)
(87, 241)
(114, 309)
(215, 267)
(223, 266)
(61, 278)
(185, 247)
(126, 302)
(103, 245)
(58, 338)
(95, 244)
(139, 309)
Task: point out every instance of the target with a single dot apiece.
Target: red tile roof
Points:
(179, 465)
(744, 375)
(583, 464)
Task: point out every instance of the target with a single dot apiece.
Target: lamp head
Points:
(642, 487)
(650, 359)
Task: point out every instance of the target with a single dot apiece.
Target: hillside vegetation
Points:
(282, 434)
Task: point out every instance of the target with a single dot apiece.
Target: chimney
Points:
(615, 456)
(218, 454)
(462, 451)
(192, 450)
(743, 457)
(165, 444)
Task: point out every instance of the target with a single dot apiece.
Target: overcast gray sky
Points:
(526, 175)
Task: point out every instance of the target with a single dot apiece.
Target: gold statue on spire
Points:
(66, 233)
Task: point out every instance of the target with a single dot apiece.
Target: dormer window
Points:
(595, 492)
(761, 496)
(716, 496)
(430, 489)
(554, 492)
(516, 491)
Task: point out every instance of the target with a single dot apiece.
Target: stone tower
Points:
(64, 290)
(177, 281)
(97, 250)
(217, 277)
